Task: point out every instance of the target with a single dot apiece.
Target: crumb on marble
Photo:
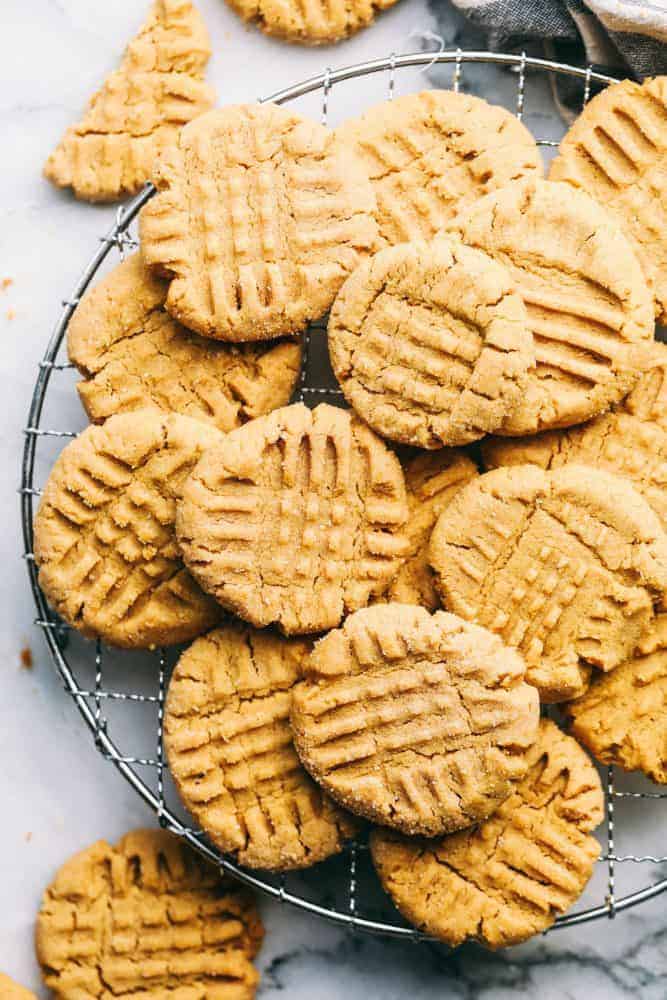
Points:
(11, 314)
(6, 283)
(26, 658)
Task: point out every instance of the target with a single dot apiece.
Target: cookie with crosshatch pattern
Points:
(430, 343)
(296, 519)
(615, 150)
(416, 721)
(630, 440)
(139, 109)
(589, 308)
(147, 917)
(229, 745)
(567, 565)
(260, 216)
(622, 718)
(132, 354)
(311, 23)
(104, 532)
(9, 990)
(432, 480)
(430, 153)
(514, 873)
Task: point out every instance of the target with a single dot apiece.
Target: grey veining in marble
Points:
(56, 794)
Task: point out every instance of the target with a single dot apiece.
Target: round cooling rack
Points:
(120, 695)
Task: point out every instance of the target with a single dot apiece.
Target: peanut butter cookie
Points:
(311, 23)
(566, 565)
(133, 354)
(139, 109)
(260, 216)
(295, 519)
(147, 917)
(104, 532)
(430, 343)
(428, 154)
(416, 721)
(512, 875)
(229, 745)
(589, 307)
(616, 152)
(9, 990)
(622, 718)
(630, 440)
(432, 480)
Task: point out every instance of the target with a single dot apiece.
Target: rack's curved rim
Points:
(104, 743)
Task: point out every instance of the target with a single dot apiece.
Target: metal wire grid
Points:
(92, 701)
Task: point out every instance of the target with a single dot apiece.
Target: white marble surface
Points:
(56, 794)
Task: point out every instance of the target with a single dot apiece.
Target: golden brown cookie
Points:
(229, 746)
(9, 990)
(622, 718)
(512, 875)
(260, 216)
(615, 151)
(311, 23)
(589, 307)
(295, 519)
(146, 918)
(139, 109)
(432, 480)
(133, 354)
(428, 154)
(416, 721)
(566, 565)
(630, 440)
(430, 343)
(104, 533)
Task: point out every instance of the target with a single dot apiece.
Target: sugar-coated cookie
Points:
(229, 746)
(296, 519)
(158, 87)
(419, 722)
(147, 917)
(512, 875)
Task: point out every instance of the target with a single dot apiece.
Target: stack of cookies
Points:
(376, 620)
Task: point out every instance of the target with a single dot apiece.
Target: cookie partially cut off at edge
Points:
(229, 745)
(296, 519)
(432, 480)
(589, 308)
(616, 150)
(147, 917)
(9, 990)
(105, 542)
(622, 718)
(416, 721)
(132, 354)
(510, 877)
(311, 23)
(629, 441)
(430, 344)
(260, 216)
(138, 111)
(427, 154)
(566, 565)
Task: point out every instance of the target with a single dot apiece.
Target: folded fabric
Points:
(626, 37)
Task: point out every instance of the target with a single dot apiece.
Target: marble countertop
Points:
(57, 794)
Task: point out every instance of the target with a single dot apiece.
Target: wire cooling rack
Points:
(120, 695)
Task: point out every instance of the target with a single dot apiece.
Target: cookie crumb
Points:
(6, 283)
(11, 314)
(26, 658)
